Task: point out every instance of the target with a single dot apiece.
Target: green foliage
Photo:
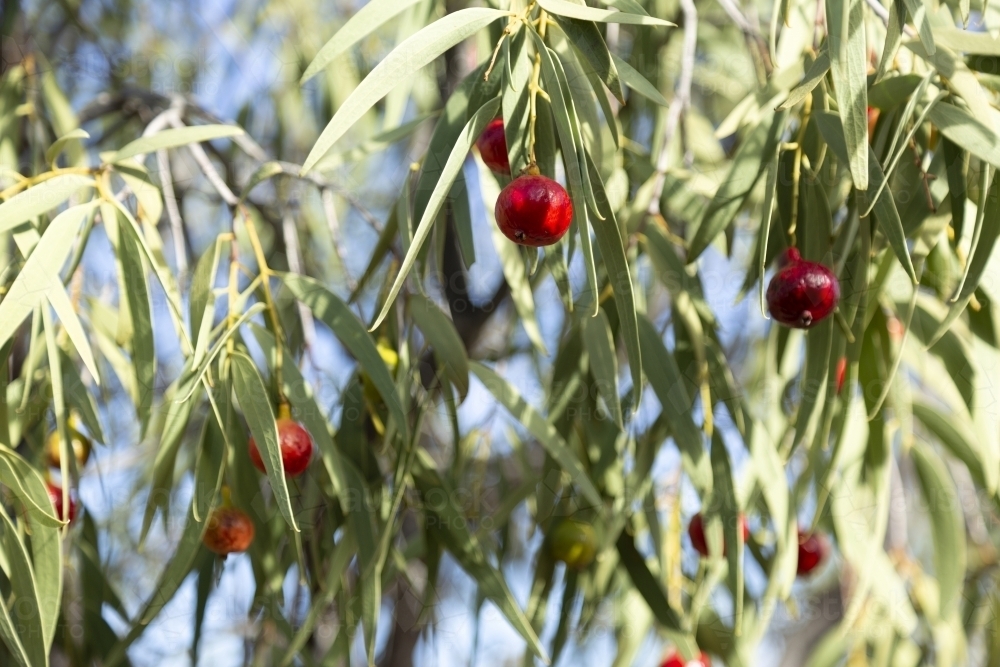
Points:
(697, 143)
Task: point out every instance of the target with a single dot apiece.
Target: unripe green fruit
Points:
(574, 543)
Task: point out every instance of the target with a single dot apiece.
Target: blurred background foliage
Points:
(489, 405)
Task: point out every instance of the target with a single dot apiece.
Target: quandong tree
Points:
(631, 332)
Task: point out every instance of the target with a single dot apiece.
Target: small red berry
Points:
(696, 531)
(841, 373)
(534, 210)
(296, 448)
(56, 496)
(675, 660)
(802, 293)
(492, 146)
(813, 549)
(229, 530)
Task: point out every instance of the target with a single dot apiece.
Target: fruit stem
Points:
(535, 88)
(797, 168)
(272, 310)
(284, 410)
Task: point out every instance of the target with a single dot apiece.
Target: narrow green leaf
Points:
(609, 240)
(53, 151)
(586, 38)
(540, 428)
(967, 131)
(849, 69)
(61, 303)
(264, 172)
(345, 325)
(637, 82)
(363, 23)
(172, 138)
(603, 362)
(452, 168)
(27, 610)
(584, 13)
(748, 163)
(726, 504)
(444, 339)
(35, 278)
(648, 585)
(947, 526)
(39, 199)
(136, 290)
(405, 59)
(884, 208)
(667, 383)
(259, 414)
(813, 76)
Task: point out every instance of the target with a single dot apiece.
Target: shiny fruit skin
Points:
(296, 448)
(812, 551)
(802, 293)
(492, 144)
(534, 210)
(675, 660)
(79, 443)
(229, 530)
(56, 496)
(574, 543)
(696, 531)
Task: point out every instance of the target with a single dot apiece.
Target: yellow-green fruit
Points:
(574, 543)
(391, 360)
(78, 441)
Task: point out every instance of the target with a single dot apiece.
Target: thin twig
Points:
(682, 98)
(201, 157)
(173, 212)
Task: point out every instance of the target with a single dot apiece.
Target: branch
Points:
(681, 101)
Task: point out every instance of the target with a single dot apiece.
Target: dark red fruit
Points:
(296, 448)
(492, 146)
(813, 549)
(534, 210)
(841, 373)
(56, 496)
(802, 293)
(696, 531)
(229, 530)
(676, 660)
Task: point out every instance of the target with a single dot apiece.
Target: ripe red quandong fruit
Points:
(674, 659)
(295, 442)
(802, 293)
(56, 496)
(534, 210)
(229, 530)
(574, 543)
(813, 549)
(696, 531)
(492, 145)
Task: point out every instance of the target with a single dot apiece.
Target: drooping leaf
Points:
(405, 59)
(174, 137)
(584, 13)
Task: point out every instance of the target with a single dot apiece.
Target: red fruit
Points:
(873, 114)
(56, 496)
(841, 373)
(696, 531)
(812, 551)
(229, 530)
(675, 660)
(492, 146)
(802, 293)
(296, 447)
(534, 210)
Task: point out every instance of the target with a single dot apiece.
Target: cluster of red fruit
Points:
(813, 547)
(81, 446)
(229, 528)
(533, 209)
